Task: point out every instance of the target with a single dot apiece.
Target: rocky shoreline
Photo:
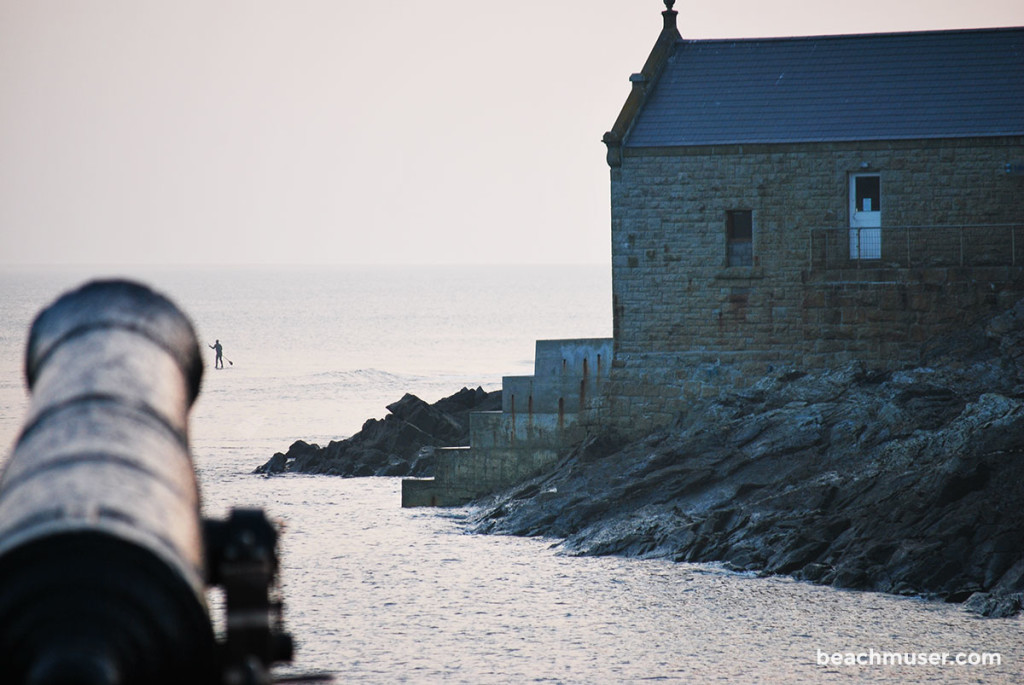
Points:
(400, 444)
(908, 482)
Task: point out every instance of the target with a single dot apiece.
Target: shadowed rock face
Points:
(401, 444)
(910, 482)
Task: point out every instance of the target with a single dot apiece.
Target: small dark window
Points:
(739, 238)
(867, 194)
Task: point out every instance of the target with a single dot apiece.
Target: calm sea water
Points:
(379, 594)
(315, 352)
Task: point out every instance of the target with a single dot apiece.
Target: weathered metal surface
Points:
(101, 549)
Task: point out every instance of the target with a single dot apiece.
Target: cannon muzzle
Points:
(102, 554)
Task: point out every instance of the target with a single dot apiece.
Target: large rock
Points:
(401, 444)
(909, 482)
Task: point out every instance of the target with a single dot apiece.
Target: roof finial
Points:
(670, 19)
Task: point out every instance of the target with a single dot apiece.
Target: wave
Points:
(366, 376)
(376, 386)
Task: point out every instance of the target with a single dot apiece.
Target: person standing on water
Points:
(218, 349)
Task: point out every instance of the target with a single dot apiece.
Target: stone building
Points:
(804, 202)
(778, 203)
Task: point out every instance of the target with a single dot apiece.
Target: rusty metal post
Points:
(826, 250)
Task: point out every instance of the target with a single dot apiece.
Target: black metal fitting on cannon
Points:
(241, 555)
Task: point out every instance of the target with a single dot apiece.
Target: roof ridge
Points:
(851, 36)
(892, 86)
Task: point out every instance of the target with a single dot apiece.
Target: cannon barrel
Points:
(102, 561)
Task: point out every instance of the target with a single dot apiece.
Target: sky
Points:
(222, 132)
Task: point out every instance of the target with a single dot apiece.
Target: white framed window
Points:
(865, 216)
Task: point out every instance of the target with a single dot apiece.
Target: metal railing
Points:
(906, 247)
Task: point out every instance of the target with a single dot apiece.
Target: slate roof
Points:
(936, 84)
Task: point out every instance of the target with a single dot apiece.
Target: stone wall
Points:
(541, 415)
(567, 375)
(687, 326)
